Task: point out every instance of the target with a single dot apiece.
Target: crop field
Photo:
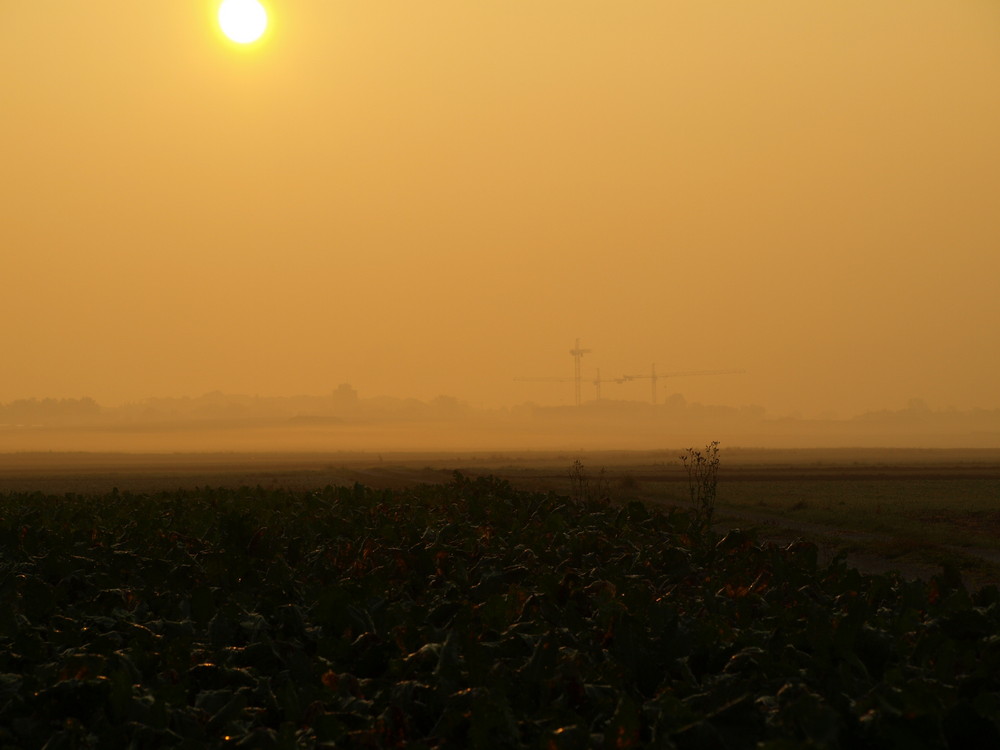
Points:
(903, 510)
(461, 611)
(909, 511)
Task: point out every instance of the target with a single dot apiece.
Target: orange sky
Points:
(424, 198)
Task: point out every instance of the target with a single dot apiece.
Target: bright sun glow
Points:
(243, 21)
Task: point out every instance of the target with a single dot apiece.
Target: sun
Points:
(243, 21)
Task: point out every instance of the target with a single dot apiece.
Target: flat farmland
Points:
(556, 600)
(910, 511)
(907, 510)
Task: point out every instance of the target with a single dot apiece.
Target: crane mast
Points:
(598, 380)
(577, 354)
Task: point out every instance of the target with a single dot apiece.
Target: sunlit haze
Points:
(242, 21)
(439, 198)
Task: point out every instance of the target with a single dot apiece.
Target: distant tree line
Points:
(50, 411)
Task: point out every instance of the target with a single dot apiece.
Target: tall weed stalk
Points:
(582, 488)
(703, 476)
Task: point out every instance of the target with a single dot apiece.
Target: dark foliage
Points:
(464, 616)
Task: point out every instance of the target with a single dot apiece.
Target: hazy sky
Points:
(436, 197)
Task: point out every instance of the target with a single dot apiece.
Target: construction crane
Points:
(598, 380)
(577, 353)
(653, 377)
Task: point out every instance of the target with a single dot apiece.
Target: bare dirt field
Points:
(887, 509)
